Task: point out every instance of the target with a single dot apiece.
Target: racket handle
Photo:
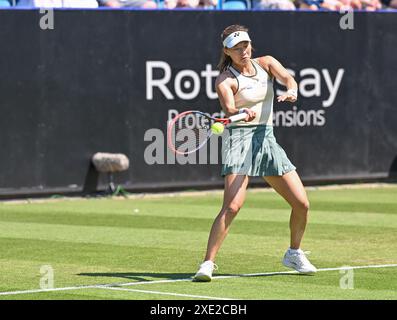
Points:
(238, 117)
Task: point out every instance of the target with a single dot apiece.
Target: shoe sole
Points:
(289, 265)
(202, 278)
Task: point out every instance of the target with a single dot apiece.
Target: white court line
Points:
(112, 285)
(167, 293)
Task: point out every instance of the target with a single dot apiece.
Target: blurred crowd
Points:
(368, 5)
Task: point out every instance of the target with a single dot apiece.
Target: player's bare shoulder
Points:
(226, 79)
(265, 62)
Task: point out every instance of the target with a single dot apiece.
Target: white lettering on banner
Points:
(314, 80)
(332, 87)
(184, 89)
(299, 118)
(187, 83)
(172, 113)
(159, 83)
(209, 74)
(310, 84)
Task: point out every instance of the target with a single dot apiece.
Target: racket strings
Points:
(190, 132)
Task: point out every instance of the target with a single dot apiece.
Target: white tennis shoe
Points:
(296, 259)
(204, 274)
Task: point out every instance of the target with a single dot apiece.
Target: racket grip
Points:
(238, 117)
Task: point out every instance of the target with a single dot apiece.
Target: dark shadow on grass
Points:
(280, 273)
(142, 277)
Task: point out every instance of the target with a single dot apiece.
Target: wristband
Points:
(293, 92)
(242, 110)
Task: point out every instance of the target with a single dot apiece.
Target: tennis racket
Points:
(190, 130)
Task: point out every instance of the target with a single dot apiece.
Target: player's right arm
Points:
(226, 85)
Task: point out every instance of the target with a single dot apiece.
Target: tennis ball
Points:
(217, 128)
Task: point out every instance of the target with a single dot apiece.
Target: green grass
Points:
(102, 241)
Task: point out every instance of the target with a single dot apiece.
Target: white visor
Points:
(234, 38)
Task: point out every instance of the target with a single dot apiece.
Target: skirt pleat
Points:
(253, 151)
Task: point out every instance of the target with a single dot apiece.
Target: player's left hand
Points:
(286, 97)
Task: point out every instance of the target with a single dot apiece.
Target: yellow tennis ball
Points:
(217, 128)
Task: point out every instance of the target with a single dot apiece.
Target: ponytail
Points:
(224, 62)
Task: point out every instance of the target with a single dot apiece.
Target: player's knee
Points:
(232, 209)
(303, 205)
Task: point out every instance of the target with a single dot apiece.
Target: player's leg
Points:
(290, 187)
(233, 199)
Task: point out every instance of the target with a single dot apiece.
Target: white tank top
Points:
(255, 92)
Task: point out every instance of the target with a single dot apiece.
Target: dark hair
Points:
(225, 61)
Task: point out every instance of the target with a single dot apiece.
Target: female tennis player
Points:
(250, 149)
